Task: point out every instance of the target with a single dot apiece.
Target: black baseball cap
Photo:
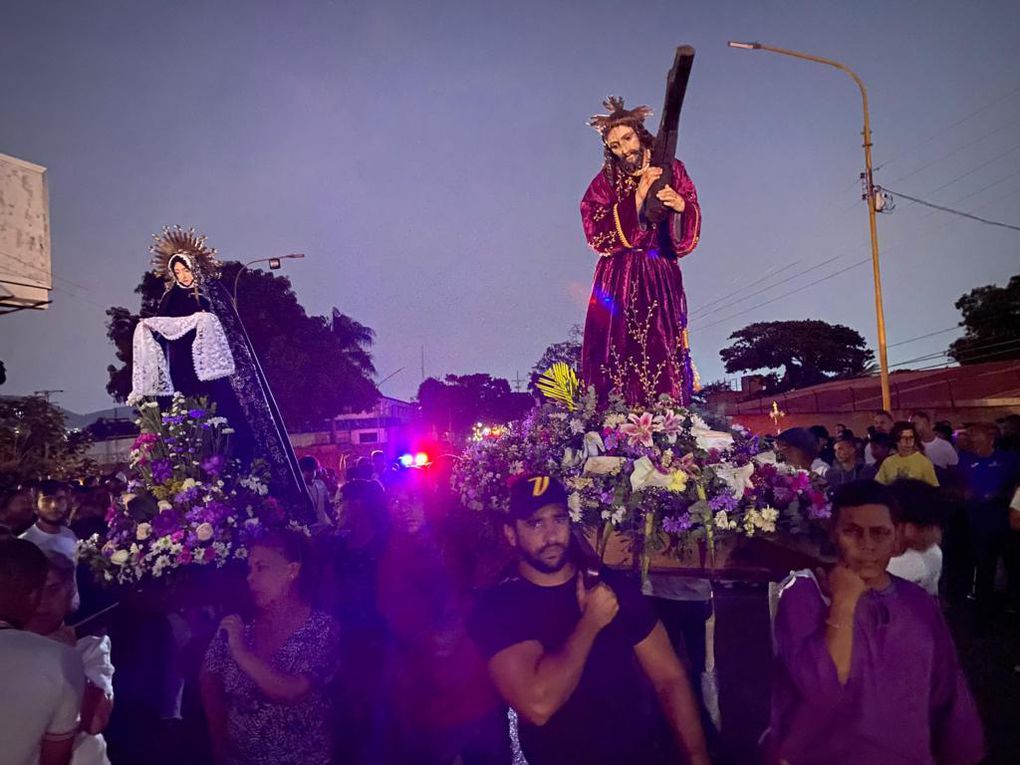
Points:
(531, 493)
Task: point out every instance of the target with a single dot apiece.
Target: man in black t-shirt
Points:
(582, 667)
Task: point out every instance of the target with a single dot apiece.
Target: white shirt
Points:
(64, 542)
(40, 694)
(940, 452)
(923, 567)
(90, 749)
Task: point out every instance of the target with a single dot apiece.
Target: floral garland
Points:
(187, 503)
(659, 475)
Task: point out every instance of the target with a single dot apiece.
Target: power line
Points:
(786, 294)
(766, 289)
(922, 337)
(939, 132)
(978, 347)
(957, 150)
(951, 210)
(996, 158)
(769, 275)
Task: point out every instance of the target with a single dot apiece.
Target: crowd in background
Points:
(352, 646)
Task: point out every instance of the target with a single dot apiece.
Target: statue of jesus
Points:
(635, 333)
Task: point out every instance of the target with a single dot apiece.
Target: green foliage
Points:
(317, 366)
(35, 443)
(808, 351)
(456, 403)
(991, 316)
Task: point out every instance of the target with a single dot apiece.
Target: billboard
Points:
(25, 274)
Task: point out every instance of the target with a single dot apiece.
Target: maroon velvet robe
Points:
(635, 333)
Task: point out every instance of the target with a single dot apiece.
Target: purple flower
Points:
(164, 522)
(723, 501)
(162, 471)
(196, 414)
(213, 465)
(677, 524)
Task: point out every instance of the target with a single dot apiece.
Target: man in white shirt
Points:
(50, 532)
(939, 451)
(922, 514)
(42, 680)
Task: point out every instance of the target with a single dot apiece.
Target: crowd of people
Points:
(370, 641)
(972, 519)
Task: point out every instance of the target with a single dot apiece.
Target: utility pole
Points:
(869, 192)
(423, 362)
(518, 382)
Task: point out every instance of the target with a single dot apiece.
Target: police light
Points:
(406, 460)
(421, 459)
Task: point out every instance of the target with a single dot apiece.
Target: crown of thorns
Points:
(618, 116)
(178, 242)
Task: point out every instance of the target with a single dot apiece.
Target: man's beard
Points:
(633, 162)
(540, 564)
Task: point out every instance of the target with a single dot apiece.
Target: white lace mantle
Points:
(150, 373)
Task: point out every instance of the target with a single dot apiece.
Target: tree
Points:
(568, 352)
(317, 367)
(809, 352)
(35, 443)
(991, 316)
(456, 403)
(3, 373)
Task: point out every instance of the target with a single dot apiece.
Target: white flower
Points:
(576, 427)
(227, 431)
(723, 522)
(217, 420)
(516, 467)
(120, 557)
(164, 505)
(603, 465)
(574, 506)
(188, 483)
(646, 475)
(204, 532)
(613, 421)
(737, 479)
(593, 444)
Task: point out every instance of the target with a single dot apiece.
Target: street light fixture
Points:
(870, 193)
(274, 264)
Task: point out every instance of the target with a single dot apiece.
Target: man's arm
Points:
(537, 683)
(847, 588)
(660, 663)
(215, 705)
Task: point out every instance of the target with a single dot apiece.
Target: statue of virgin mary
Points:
(197, 345)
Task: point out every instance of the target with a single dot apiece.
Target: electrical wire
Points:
(786, 294)
(942, 208)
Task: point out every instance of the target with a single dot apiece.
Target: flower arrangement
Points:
(659, 474)
(187, 504)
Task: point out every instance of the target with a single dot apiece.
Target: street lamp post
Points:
(869, 184)
(274, 263)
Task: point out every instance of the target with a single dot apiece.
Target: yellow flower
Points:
(677, 480)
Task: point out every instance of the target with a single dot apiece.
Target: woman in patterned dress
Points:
(263, 682)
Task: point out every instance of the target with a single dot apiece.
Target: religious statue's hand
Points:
(669, 197)
(648, 176)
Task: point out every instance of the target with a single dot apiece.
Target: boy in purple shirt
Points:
(866, 671)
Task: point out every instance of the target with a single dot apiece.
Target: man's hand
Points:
(648, 176)
(234, 627)
(846, 586)
(598, 605)
(671, 199)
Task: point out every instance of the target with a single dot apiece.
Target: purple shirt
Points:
(906, 700)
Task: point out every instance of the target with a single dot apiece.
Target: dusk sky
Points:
(429, 159)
